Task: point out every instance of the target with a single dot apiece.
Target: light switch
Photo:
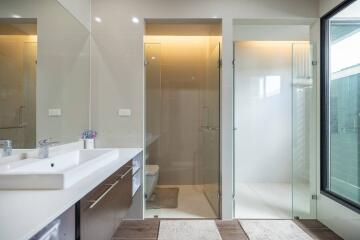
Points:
(54, 112)
(124, 112)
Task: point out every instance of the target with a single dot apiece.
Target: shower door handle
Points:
(208, 128)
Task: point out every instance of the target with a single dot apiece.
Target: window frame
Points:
(324, 109)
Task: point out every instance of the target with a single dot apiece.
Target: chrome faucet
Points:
(7, 147)
(44, 145)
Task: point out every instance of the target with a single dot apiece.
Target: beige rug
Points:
(273, 230)
(163, 198)
(188, 230)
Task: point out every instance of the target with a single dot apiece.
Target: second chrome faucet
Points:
(44, 145)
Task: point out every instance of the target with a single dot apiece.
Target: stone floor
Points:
(229, 230)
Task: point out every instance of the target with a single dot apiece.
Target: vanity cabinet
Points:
(101, 211)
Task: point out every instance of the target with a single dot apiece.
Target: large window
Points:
(340, 104)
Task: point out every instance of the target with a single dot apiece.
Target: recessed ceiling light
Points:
(135, 20)
(98, 19)
(16, 16)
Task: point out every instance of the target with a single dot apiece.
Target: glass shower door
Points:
(210, 127)
(304, 132)
(153, 101)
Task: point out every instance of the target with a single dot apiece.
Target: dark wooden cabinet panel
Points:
(102, 210)
(124, 196)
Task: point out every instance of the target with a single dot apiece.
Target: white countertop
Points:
(24, 213)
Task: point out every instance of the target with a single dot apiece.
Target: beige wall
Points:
(118, 53)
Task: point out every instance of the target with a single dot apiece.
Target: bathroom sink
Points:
(58, 172)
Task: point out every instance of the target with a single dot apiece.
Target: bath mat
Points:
(273, 230)
(188, 229)
(163, 198)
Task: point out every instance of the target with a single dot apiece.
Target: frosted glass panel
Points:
(304, 129)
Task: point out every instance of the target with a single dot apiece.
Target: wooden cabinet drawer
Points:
(102, 210)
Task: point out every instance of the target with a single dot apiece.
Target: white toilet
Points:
(151, 179)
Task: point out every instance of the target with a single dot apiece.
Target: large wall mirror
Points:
(44, 73)
(340, 104)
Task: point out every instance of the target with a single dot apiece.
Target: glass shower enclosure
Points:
(182, 99)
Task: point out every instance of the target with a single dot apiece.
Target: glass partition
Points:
(210, 126)
(304, 132)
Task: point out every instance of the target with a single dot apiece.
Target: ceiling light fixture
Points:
(98, 19)
(135, 20)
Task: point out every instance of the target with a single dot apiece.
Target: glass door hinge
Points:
(314, 63)
(314, 197)
(220, 63)
(233, 62)
(145, 62)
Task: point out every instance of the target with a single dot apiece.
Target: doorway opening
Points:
(182, 88)
(18, 60)
(275, 165)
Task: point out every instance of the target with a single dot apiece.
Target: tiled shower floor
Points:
(192, 203)
(263, 201)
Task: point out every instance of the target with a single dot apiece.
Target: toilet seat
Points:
(151, 179)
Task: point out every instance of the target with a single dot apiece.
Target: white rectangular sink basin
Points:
(58, 172)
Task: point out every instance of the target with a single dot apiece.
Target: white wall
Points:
(340, 219)
(245, 32)
(327, 5)
(117, 61)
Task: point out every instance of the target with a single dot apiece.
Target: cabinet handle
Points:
(126, 173)
(95, 202)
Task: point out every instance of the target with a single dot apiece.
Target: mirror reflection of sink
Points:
(56, 172)
(17, 154)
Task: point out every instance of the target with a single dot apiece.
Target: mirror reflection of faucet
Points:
(44, 145)
(7, 147)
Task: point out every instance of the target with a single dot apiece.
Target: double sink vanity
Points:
(87, 192)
